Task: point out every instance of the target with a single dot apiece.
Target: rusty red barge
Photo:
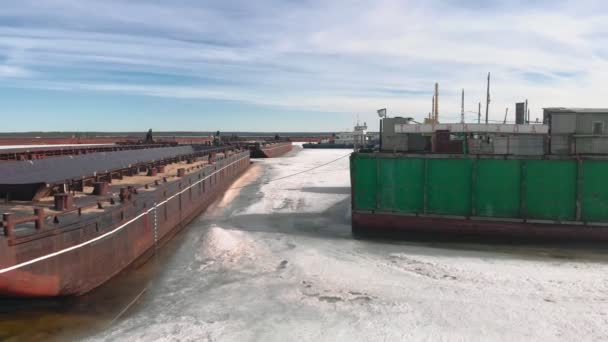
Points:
(270, 149)
(76, 241)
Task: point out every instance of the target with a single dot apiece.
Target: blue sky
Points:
(294, 65)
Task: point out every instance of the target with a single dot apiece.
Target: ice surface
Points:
(311, 192)
(276, 263)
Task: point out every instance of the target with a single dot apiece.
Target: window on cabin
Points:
(598, 127)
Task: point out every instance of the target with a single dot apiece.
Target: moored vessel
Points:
(358, 138)
(75, 241)
(500, 180)
(271, 149)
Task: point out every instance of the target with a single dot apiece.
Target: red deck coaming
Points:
(99, 140)
(418, 224)
(83, 269)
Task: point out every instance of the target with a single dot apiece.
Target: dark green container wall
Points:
(497, 188)
(449, 186)
(550, 189)
(401, 184)
(365, 182)
(594, 191)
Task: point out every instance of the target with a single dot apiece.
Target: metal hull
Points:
(369, 223)
(271, 150)
(75, 259)
(519, 196)
(324, 145)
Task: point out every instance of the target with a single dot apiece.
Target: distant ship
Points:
(358, 137)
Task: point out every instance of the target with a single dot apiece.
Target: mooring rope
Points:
(126, 308)
(291, 175)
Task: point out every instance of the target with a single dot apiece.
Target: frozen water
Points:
(276, 262)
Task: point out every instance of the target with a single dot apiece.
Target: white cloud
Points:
(325, 56)
(9, 71)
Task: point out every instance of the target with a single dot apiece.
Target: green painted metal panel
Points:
(400, 184)
(497, 188)
(594, 199)
(551, 189)
(449, 187)
(365, 178)
(536, 189)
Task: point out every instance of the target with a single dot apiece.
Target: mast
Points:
(488, 99)
(462, 107)
(436, 102)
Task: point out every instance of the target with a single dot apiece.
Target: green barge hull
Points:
(553, 196)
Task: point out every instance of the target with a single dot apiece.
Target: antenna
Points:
(488, 99)
(462, 108)
(479, 113)
(506, 112)
(436, 102)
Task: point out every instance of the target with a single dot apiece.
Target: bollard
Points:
(9, 225)
(156, 182)
(63, 201)
(100, 188)
(78, 186)
(39, 213)
(123, 195)
(99, 206)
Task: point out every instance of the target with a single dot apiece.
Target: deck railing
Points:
(128, 204)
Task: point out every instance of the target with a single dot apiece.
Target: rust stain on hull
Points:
(27, 284)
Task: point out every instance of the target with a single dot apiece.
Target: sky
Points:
(291, 65)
